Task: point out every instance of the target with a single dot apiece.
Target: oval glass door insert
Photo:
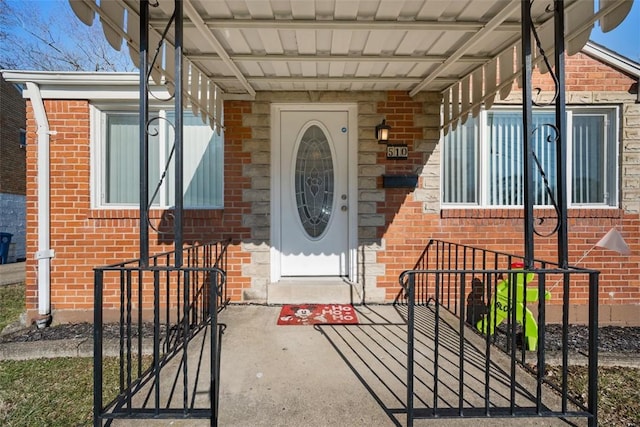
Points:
(314, 184)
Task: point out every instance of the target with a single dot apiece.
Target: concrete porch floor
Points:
(342, 375)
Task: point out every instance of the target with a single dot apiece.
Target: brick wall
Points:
(84, 238)
(414, 217)
(584, 73)
(394, 225)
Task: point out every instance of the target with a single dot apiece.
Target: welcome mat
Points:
(318, 314)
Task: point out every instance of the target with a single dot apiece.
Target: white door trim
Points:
(352, 185)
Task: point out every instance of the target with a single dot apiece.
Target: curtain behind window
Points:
(122, 166)
(460, 156)
(589, 157)
(506, 173)
(485, 166)
(203, 166)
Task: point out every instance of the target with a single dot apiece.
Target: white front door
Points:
(314, 205)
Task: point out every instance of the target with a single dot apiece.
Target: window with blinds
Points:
(203, 162)
(482, 162)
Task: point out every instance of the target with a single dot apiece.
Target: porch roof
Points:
(467, 50)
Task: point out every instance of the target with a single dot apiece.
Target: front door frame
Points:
(352, 184)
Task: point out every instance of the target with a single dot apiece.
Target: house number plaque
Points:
(398, 151)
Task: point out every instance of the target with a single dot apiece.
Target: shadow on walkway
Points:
(343, 375)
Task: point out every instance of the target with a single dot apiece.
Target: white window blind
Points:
(506, 171)
(122, 159)
(203, 152)
(591, 145)
(203, 162)
(461, 153)
(589, 159)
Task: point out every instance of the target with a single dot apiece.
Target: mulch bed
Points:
(614, 339)
(73, 331)
(611, 338)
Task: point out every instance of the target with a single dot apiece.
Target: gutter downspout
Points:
(45, 253)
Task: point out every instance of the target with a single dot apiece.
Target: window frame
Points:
(98, 152)
(22, 138)
(613, 120)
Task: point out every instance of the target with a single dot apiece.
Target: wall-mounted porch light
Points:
(382, 132)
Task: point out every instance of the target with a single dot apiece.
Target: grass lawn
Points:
(618, 393)
(12, 300)
(51, 392)
(59, 392)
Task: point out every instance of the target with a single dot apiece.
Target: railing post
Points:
(156, 340)
(542, 325)
(215, 359)
(527, 126)
(144, 136)
(561, 128)
(593, 348)
(410, 336)
(461, 338)
(186, 336)
(97, 347)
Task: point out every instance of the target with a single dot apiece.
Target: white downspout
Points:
(45, 253)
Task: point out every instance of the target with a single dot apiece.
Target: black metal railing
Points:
(494, 304)
(151, 330)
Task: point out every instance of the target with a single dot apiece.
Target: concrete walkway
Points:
(327, 375)
(338, 375)
(12, 273)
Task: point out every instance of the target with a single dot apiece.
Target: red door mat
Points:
(314, 314)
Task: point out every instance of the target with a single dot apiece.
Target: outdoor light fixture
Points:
(382, 132)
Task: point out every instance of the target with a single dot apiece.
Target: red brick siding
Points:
(84, 238)
(584, 73)
(407, 230)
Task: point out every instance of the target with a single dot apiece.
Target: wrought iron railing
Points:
(149, 322)
(473, 288)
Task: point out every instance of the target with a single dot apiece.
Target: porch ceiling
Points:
(245, 46)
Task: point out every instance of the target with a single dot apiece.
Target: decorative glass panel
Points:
(314, 184)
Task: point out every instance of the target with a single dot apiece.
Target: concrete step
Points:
(313, 291)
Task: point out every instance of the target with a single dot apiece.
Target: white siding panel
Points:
(236, 41)
(309, 69)
(271, 41)
(306, 40)
(340, 42)
(336, 69)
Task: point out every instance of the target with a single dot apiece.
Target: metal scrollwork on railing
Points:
(545, 58)
(169, 84)
(154, 132)
(551, 139)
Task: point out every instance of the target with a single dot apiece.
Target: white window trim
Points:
(98, 117)
(612, 129)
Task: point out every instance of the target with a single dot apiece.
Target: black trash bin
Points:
(5, 241)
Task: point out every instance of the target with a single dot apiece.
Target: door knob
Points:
(344, 208)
